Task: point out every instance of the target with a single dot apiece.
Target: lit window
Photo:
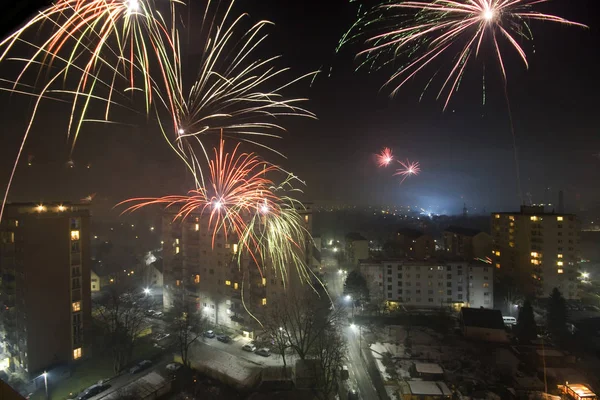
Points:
(264, 302)
(40, 208)
(535, 262)
(77, 306)
(74, 235)
(264, 281)
(228, 283)
(235, 285)
(534, 218)
(61, 208)
(497, 265)
(177, 282)
(559, 218)
(560, 256)
(305, 219)
(497, 254)
(534, 254)
(560, 263)
(512, 218)
(235, 248)
(176, 241)
(197, 227)
(177, 250)
(197, 279)
(485, 285)
(77, 353)
(511, 244)
(560, 271)
(497, 216)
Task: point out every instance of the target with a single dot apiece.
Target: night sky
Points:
(465, 152)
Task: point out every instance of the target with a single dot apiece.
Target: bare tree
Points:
(120, 316)
(274, 323)
(303, 318)
(185, 323)
(330, 350)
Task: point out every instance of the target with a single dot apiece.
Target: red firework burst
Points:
(385, 157)
(408, 169)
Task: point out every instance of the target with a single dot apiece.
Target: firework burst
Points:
(437, 28)
(408, 169)
(240, 201)
(385, 157)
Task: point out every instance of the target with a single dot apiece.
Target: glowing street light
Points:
(45, 375)
(146, 291)
(348, 297)
(353, 327)
(335, 249)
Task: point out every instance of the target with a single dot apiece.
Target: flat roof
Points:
(579, 389)
(549, 353)
(428, 388)
(428, 368)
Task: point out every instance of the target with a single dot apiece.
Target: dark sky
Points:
(466, 152)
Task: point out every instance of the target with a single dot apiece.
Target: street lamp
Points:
(146, 291)
(347, 297)
(585, 275)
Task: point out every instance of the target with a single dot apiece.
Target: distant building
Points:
(467, 244)
(357, 248)
(430, 283)
(45, 289)
(538, 250)
(484, 325)
(95, 281)
(415, 244)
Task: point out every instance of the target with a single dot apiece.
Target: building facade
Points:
(45, 289)
(415, 244)
(538, 251)
(357, 248)
(220, 277)
(430, 283)
(467, 244)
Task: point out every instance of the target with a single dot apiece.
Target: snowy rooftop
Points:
(427, 388)
(428, 368)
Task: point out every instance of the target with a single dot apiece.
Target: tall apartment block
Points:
(537, 250)
(45, 288)
(430, 284)
(221, 278)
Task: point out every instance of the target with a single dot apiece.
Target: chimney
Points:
(561, 202)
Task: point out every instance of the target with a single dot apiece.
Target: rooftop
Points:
(428, 368)
(459, 230)
(427, 388)
(532, 210)
(482, 318)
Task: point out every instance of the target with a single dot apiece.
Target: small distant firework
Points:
(88, 198)
(385, 157)
(30, 160)
(408, 169)
(445, 27)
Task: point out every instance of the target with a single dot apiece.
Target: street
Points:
(357, 367)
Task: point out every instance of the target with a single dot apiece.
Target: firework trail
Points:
(408, 169)
(385, 157)
(436, 28)
(235, 93)
(240, 201)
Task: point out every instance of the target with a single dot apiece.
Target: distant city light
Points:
(146, 290)
(340, 272)
(152, 228)
(335, 249)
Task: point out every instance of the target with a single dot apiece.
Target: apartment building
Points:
(223, 279)
(415, 244)
(45, 289)
(357, 248)
(537, 250)
(466, 244)
(431, 283)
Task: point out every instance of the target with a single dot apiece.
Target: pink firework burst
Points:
(385, 157)
(408, 169)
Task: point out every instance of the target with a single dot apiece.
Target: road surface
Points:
(357, 367)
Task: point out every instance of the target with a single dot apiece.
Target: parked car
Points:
(209, 334)
(92, 391)
(174, 366)
(161, 336)
(158, 314)
(224, 338)
(142, 365)
(263, 352)
(150, 313)
(249, 347)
